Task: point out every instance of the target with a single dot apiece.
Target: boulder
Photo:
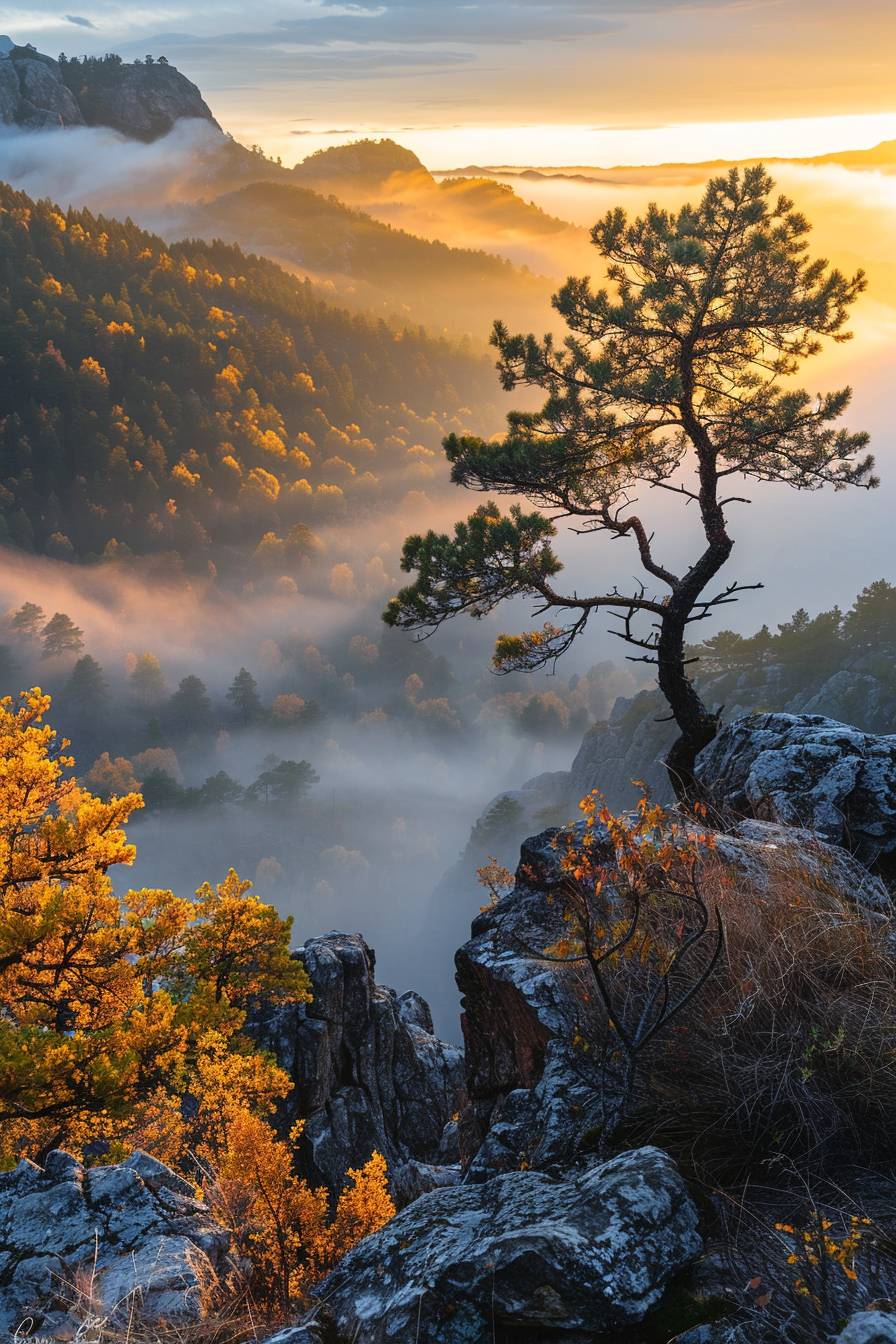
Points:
(106, 1243)
(869, 1327)
(757, 851)
(724, 1332)
(308, 1333)
(519, 1014)
(369, 1074)
(810, 771)
(592, 1252)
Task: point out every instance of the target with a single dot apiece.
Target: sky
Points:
(514, 81)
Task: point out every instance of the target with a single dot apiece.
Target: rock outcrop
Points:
(592, 1252)
(869, 1327)
(141, 101)
(33, 93)
(369, 1073)
(518, 1016)
(110, 1243)
(533, 1098)
(806, 770)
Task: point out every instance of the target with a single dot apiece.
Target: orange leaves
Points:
(650, 849)
(285, 1227)
(819, 1245)
(111, 1010)
(497, 879)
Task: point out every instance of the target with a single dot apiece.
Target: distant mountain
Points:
(142, 100)
(390, 183)
(385, 171)
(372, 264)
(881, 156)
(368, 162)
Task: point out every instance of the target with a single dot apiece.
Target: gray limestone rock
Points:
(592, 1252)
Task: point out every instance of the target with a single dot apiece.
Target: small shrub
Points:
(285, 1229)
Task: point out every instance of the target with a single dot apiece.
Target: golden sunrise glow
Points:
(606, 146)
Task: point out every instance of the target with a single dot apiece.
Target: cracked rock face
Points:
(590, 1252)
(105, 1242)
(33, 94)
(806, 770)
(369, 1074)
(141, 101)
(144, 101)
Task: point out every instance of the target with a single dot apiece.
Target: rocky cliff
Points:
(555, 1225)
(369, 1073)
(632, 743)
(811, 771)
(140, 101)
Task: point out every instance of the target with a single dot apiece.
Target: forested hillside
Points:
(390, 183)
(194, 399)
(373, 264)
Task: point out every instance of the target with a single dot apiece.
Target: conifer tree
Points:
(243, 696)
(675, 382)
(60, 635)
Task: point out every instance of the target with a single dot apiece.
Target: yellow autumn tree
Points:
(286, 1228)
(121, 1020)
(75, 1033)
(112, 1011)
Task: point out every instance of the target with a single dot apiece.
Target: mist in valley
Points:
(410, 742)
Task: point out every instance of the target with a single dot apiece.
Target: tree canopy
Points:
(193, 400)
(677, 380)
(111, 1009)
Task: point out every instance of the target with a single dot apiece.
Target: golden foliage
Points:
(285, 1227)
(496, 879)
(111, 1011)
(121, 1020)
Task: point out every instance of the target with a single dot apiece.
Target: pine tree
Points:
(285, 782)
(190, 708)
(147, 679)
(675, 382)
(60, 635)
(243, 696)
(111, 1009)
(27, 621)
(86, 688)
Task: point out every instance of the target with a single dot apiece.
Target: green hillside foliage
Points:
(193, 399)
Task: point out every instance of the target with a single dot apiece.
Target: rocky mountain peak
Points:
(142, 100)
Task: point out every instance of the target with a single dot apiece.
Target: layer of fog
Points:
(396, 799)
(395, 810)
(94, 167)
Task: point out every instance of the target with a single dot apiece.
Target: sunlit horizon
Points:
(444, 149)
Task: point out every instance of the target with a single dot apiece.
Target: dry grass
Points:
(226, 1317)
(790, 1054)
(798, 1282)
